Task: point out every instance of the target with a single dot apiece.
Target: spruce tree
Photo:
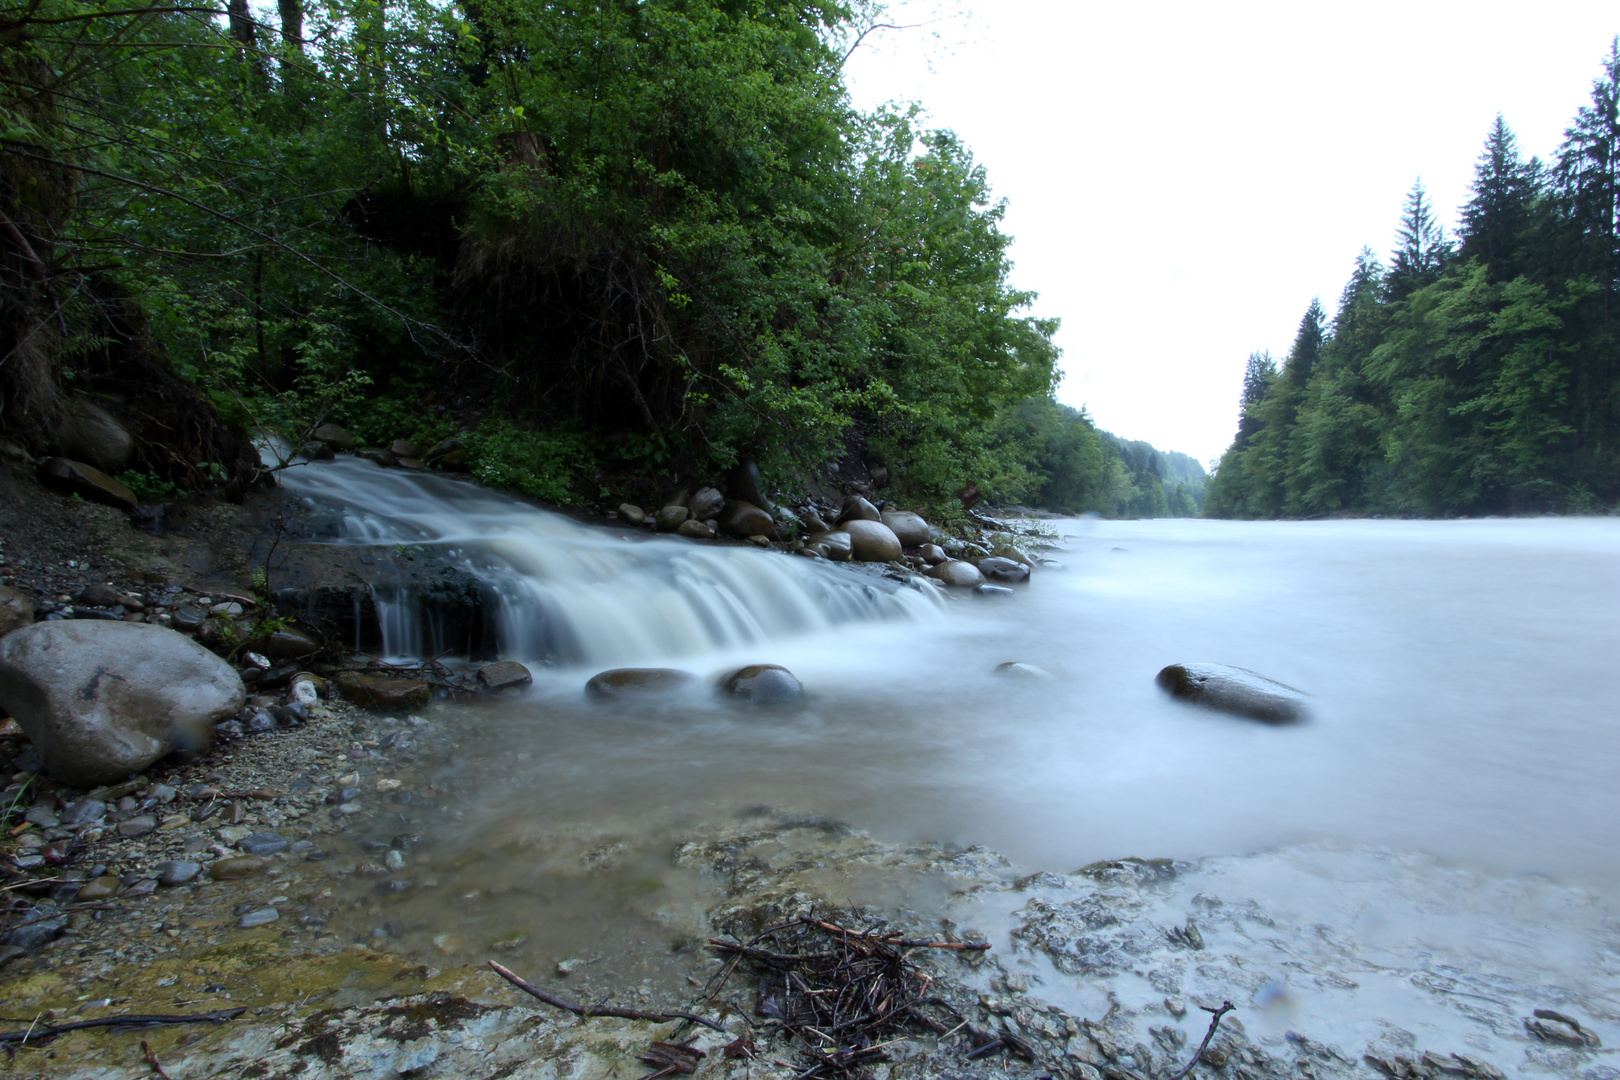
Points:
(1421, 247)
(1495, 219)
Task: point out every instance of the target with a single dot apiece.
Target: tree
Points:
(1496, 217)
(1421, 247)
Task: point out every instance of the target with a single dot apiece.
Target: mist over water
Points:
(1449, 804)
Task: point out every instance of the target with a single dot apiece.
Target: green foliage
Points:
(549, 465)
(1471, 379)
(149, 487)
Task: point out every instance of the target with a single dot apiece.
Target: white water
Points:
(1464, 718)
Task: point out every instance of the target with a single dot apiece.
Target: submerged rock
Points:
(382, 691)
(504, 675)
(1003, 571)
(1233, 690)
(872, 541)
(620, 683)
(763, 684)
(101, 700)
(1013, 669)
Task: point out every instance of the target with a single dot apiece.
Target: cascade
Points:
(553, 591)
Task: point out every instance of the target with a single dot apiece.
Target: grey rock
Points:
(83, 812)
(706, 503)
(1233, 690)
(837, 545)
(933, 554)
(813, 522)
(1012, 669)
(763, 684)
(910, 528)
(237, 867)
(631, 514)
(334, 436)
(91, 434)
(177, 873)
(261, 917)
(1003, 571)
(871, 541)
(504, 675)
(163, 793)
(137, 826)
(669, 518)
(694, 529)
(102, 596)
(189, 617)
(403, 448)
(101, 700)
(43, 816)
(858, 509)
(40, 926)
(290, 643)
(958, 574)
(140, 887)
(739, 518)
(620, 683)
(263, 844)
(993, 592)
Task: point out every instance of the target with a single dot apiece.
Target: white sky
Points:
(1182, 178)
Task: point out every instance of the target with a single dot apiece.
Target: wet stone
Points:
(177, 873)
(137, 826)
(97, 889)
(261, 917)
(43, 816)
(84, 812)
(142, 887)
(237, 867)
(263, 844)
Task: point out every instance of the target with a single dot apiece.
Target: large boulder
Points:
(957, 574)
(1233, 690)
(858, 509)
(837, 545)
(739, 518)
(85, 481)
(91, 434)
(618, 684)
(763, 684)
(1005, 571)
(872, 541)
(101, 700)
(910, 528)
(706, 503)
(16, 611)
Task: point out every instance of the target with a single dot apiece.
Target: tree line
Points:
(1472, 374)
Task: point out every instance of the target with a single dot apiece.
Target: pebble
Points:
(163, 793)
(83, 812)
(97, 889)
(394, 860)
(569, 966)
(237, 867)
(262, 844)
(177, 873)
(137, 826)
(143, 887)
(43, 816)
(262, 917)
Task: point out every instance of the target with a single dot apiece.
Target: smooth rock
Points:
(16, 610)
(40, 926)
(763, 684)
(93, 435)
(377, 455)
(858, 509)
(957, 574)
(261, 917)
(403, 448)
(83, 812)
(336, 437)
(450, 455)
(910, 528)
(1233, 690)
(290, 643)
(100, 595)
(813, 522)
(631, 514)
(933, 554)
(137, 826)
(177, 873)
(746, 483)
(620, 683)
(1012, 669)
(669, 518)
(739, 518)
(382, 692)
(837, 545)
(96, 889)
(316, 451)
(1003, 571)
(264, 843)
(504, 675)
(872, 541)
(85, 481)
(189, 618)
(706, 503)
(993, 592)
(43, 816)
(237, 867)
(694, 529)
(101, 700)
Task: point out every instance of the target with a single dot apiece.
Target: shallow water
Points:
(1462, 714)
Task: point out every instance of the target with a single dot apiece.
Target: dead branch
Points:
(1214, 1022)
(129, 1022)
(598, 1010)
(896, 939)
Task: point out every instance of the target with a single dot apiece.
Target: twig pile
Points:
(846, 995)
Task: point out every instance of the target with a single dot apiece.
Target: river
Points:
(1462, 737)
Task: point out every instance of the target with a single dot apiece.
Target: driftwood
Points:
(130, 1022)
(599, 1010)
(1214, 1022)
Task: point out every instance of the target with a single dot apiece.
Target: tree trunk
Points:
(241, 20)
(292, 23)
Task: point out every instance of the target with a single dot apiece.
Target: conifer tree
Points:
(1495, 218)
(1422, 249)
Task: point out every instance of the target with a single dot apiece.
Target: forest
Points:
(599, 245)
(1473, 374)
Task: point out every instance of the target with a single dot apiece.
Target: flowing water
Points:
(1454, 782)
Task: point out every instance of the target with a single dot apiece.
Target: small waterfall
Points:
(550, 590)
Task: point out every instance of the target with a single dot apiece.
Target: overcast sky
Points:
(1182, 178)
